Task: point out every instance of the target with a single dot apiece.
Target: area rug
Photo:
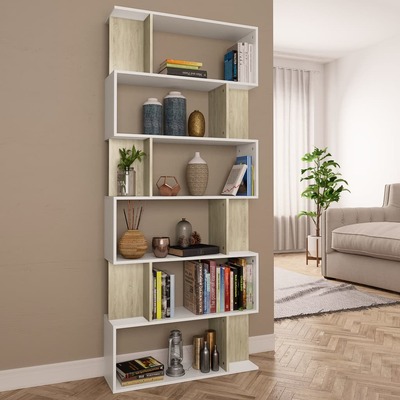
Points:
(298, 295)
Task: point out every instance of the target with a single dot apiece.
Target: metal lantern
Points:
(175, 354)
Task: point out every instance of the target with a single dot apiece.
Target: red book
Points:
(227, 281)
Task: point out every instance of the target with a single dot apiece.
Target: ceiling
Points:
(328, 29)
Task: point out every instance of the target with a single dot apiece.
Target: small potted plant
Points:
(325, 187)
(126, 173)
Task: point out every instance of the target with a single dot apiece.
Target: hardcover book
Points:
(193, 287)
(185, 62)
(246, 186)
(234, 180)
(138, 366)
(195, 250)
(199, 73)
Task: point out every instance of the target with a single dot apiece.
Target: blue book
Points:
(230, 66)
(246, 186)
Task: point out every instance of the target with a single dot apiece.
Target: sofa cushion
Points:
(373, 239)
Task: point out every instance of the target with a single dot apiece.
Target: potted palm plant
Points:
(126, 173)
(325, 186)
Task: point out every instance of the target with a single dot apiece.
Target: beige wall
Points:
(53, 168)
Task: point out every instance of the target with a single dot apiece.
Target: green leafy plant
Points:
(325, 183)
(129, 156)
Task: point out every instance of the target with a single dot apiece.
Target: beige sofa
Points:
(362, 245)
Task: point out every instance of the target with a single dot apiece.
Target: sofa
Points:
(362, 245)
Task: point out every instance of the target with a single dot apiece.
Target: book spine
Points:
(222, 289)
(199, 288)
(249, 288)
(168, 295)
(231, 291)
(213, 298)
(184, 72)
(227, 280)
(189, 297)
(172, 295)
(144, 380)
(142, 375)
(185, 66)
(159, 294)
(218, 289)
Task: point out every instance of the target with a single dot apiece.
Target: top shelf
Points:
(178, 24)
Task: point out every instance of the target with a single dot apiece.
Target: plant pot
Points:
(132, 244)
(126, 182)
(314, 243)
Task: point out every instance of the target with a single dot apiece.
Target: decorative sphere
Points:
(196, 124)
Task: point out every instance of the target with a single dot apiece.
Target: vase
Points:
(132, 244)
(197, 175)
(160, 246)
(196, 124)
(175, 114)
(168, 186)
(314, 246)
(183, 233)
(152, 117)
(126, 182)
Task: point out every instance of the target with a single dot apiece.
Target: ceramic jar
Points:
(196, 124)
(175, 114)
(197, 175)
(152, 117)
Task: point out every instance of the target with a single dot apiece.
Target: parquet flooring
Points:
(348, 356)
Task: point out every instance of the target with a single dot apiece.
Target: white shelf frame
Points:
(155, 80)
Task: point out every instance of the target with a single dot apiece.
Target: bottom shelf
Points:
(191, 374)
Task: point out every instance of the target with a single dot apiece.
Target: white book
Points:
(234, 179)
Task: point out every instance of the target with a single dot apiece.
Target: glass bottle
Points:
(183, 233)
(215, 359)
(205, 358)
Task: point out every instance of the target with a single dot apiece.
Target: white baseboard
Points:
(49, 374)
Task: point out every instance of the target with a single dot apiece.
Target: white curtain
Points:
(293, 137)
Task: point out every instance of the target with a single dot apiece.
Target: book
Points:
(234, 180)
(170, 294)
(138, 366)
(230, 66)
(164, 65)
(200, 73)
(212, 267)
(141, 376)
(246, 186)
(185, 62)
(139, 381)
(193, 287)
(249, 287)
(194, 250)
(157, 274)
(240, 49)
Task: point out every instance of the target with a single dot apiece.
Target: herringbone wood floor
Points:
(348, 355)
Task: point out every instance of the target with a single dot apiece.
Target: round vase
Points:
(197, 175)
(152, 117)
(126, 182)
(175, 114)
(183, 233)
(196, 124)
(132, 244)
(160, 246)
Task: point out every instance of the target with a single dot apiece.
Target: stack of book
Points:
(140, 370)
(163, 294)
(213, 288)
(182, 68)
(239, 63)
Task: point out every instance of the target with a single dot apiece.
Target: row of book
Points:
(140, 370)
(239, 63)
(163, 294)
(210, 287)
(182, 68)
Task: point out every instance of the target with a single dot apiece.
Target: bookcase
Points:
(133, 65)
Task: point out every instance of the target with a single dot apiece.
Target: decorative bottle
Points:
(175, 114)
(205, 358)
(215, 359)
(152, 117)
(197, 175)
(183, 233)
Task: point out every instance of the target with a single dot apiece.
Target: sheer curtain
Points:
(293, 137)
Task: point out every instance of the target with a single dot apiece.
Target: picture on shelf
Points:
(246, 186)
(234, 179)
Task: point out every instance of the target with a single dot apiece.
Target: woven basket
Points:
(132, 244)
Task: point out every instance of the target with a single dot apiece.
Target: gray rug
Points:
(298, 295)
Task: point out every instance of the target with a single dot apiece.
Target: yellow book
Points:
(170, 65)
(158, 275)
(183, 62)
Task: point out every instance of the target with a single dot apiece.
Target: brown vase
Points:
(132, 244)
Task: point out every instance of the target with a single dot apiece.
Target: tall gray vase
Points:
(175, 114)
